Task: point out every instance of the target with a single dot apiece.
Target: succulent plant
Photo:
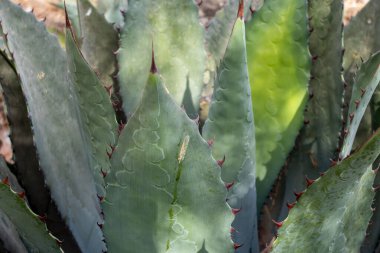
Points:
(111, 154)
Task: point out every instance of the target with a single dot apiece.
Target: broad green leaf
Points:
(31, 230)
(96, 111)
(367, 80)
(278, 65)
(173, 28)
(164, 192)
(99, 41)
(53, 108)
(333, 214)
(230, 127)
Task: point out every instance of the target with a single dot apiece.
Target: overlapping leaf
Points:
(164, 191)
(279, 65)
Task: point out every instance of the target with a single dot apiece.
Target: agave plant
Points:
(114, 152)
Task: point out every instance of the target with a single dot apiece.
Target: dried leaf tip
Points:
(68, 25)
(153, 68)
(241, 10)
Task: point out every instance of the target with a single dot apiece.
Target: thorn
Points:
(104, 173)
(232, 230)
(108, 89)
(221, 162)
(298, 194)
(362, 92)
(5, 181)
(309, 181)
(100, 225)
(333, 162)
(59, 243)
(109, 154)
(252, 10)
(306, 122)
(277, 223)
(322, 174)
(42, 218)
(241, 10)
(290, 205)
(210, 142)
(101, 198)
(313, 161)
(121, 127)
(352, 114)
(21, 195)
(229, 185)
(67, 20)
(357, 102)
(235, 210)
(236, 246)
(153, 67)
(315, 58)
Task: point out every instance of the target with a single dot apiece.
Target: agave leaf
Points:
(231, 128)
(9, 236)
(32, 231)
(360, 41)
(318, 140)
(178, 38)
(368, 78)
(361, 38)
(27, 167)
(43, 70)
(113, 11)
(99, 41)
(333, 214)
(164, 185)
(96, 110)
(278, 65)
(5, 172)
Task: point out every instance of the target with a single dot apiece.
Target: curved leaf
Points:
(96, 112)
(230, 127)
(368, 78)
(333, 214)
(99, 42)
(9, 236)
(31, 230)
(318, 141)
(278, 65)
